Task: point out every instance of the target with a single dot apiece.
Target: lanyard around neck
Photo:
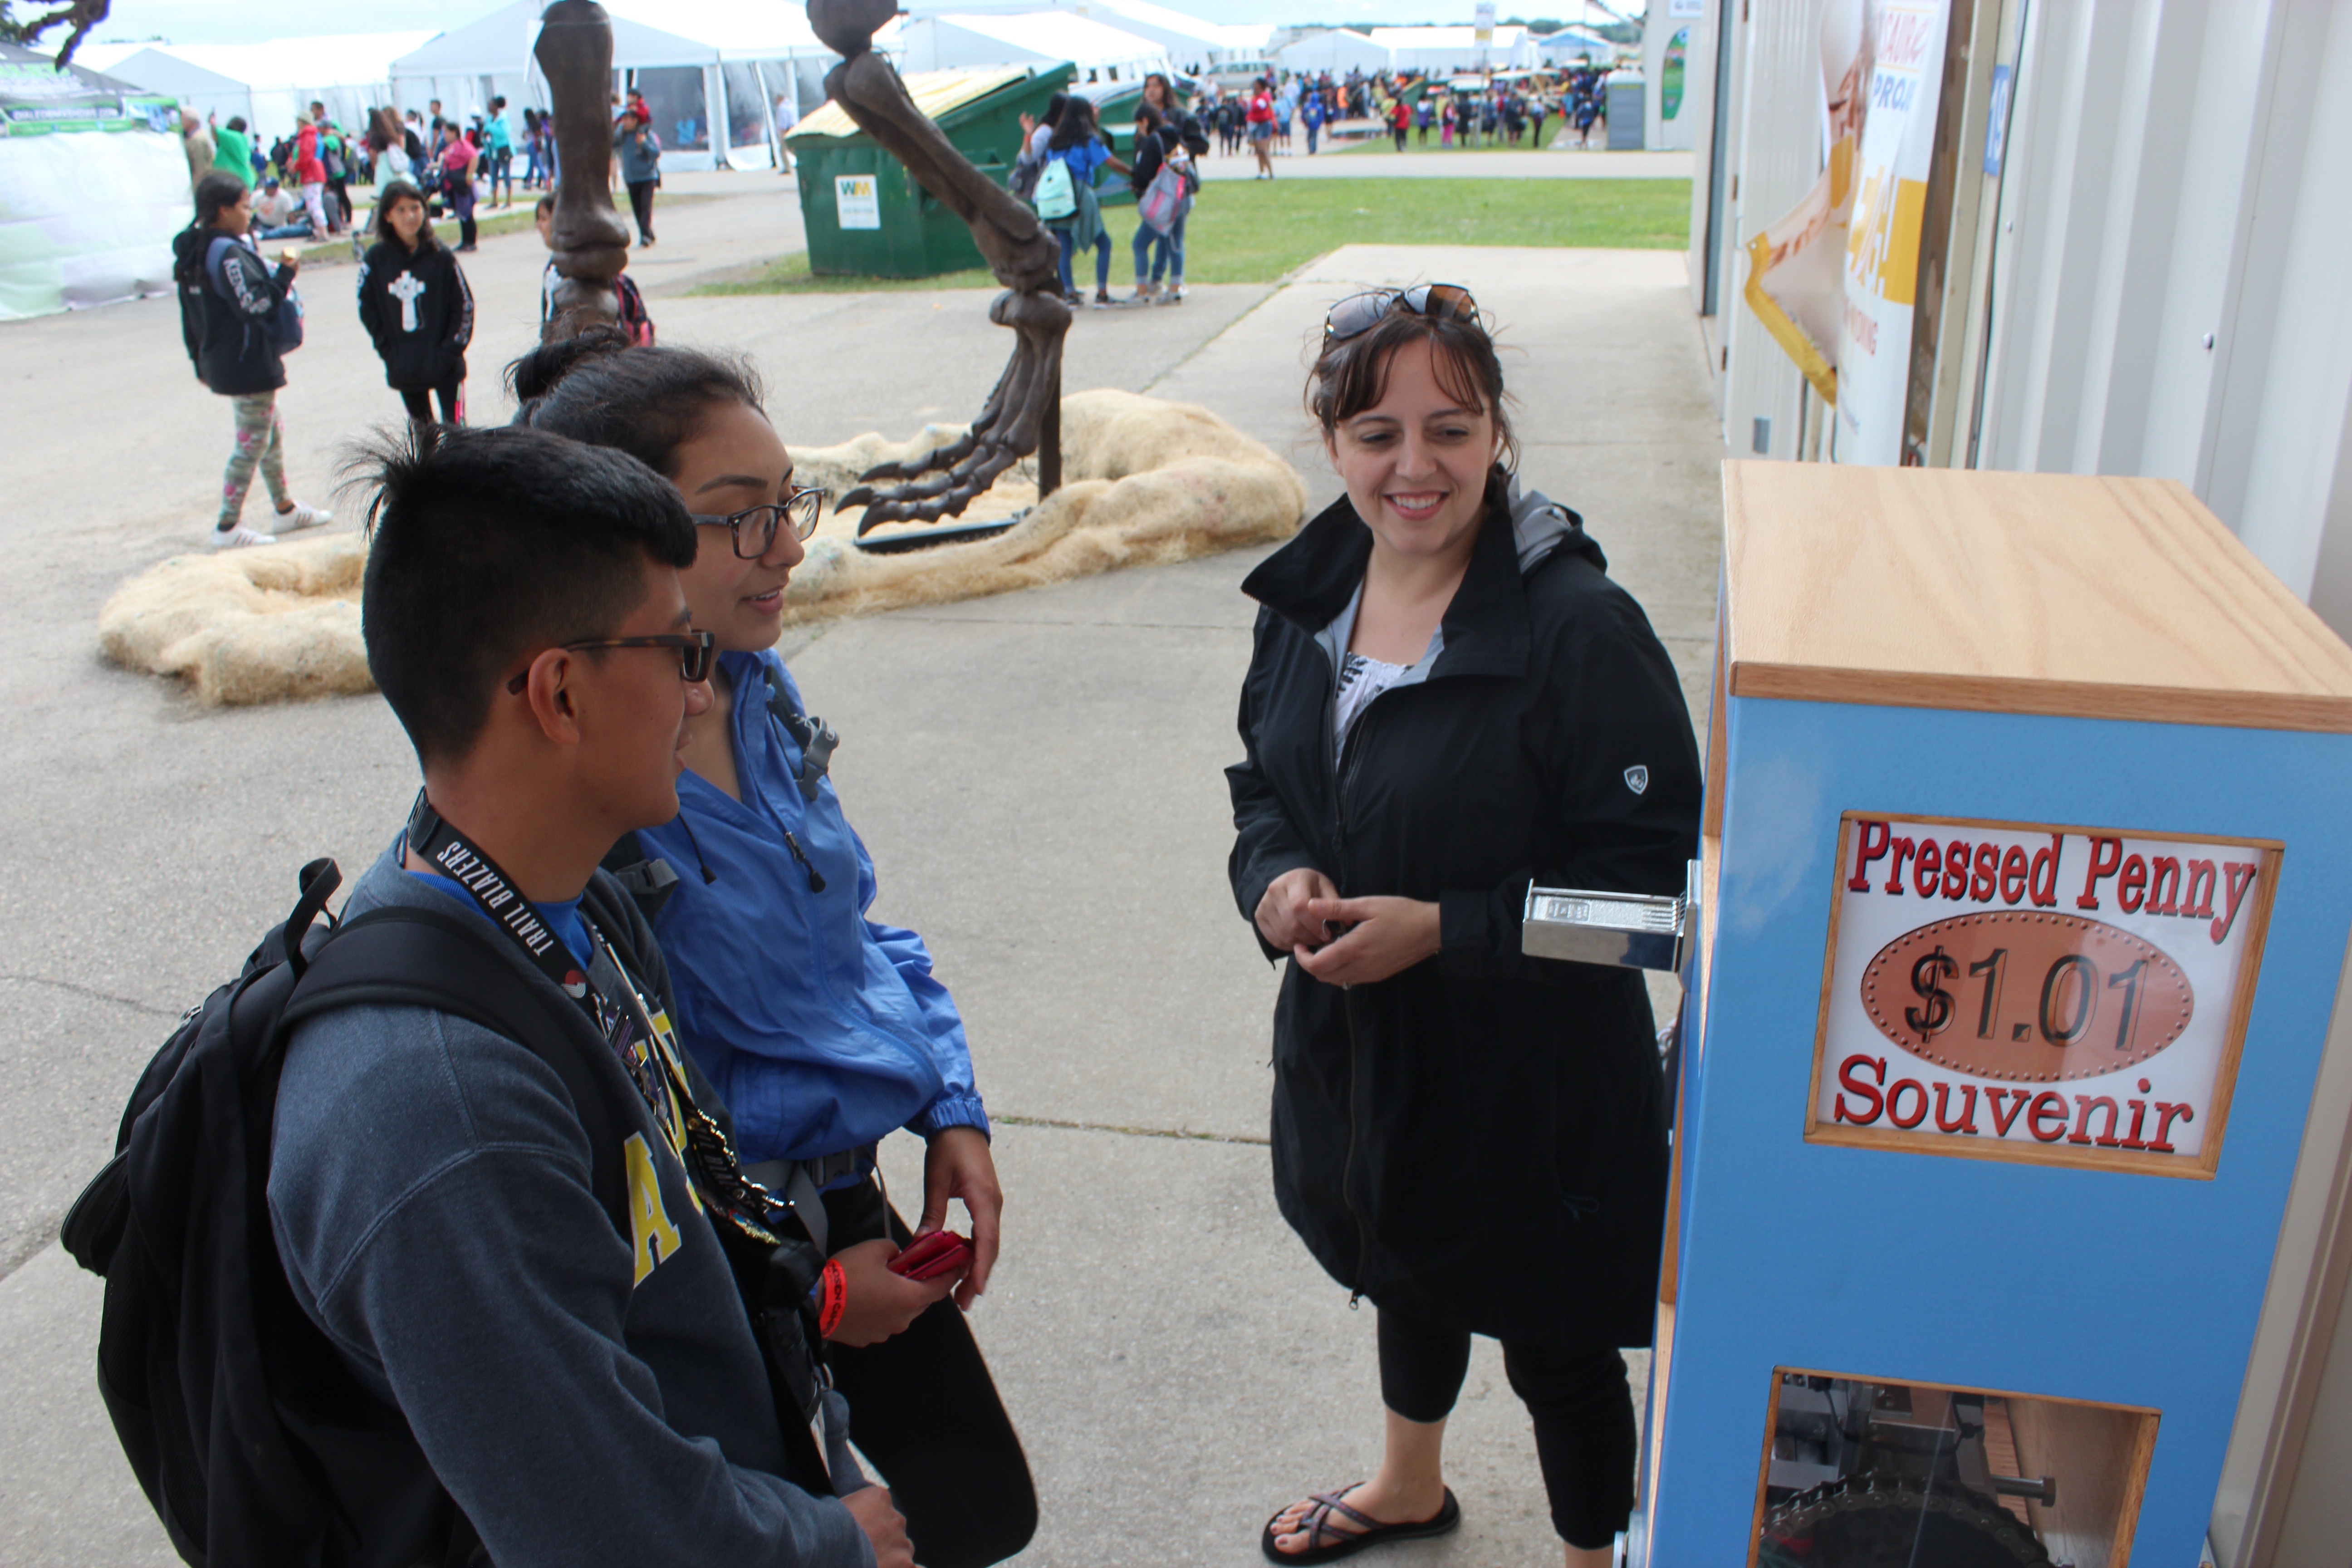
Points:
(440, 845)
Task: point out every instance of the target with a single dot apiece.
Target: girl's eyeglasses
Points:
(754, 528)
(1359, 313)
(695, 652)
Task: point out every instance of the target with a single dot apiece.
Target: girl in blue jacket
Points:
(824, 1030)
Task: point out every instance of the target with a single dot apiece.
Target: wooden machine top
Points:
(2003, 592)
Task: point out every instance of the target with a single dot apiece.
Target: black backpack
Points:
(251, 1438)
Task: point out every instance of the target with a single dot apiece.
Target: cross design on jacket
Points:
(405, 289)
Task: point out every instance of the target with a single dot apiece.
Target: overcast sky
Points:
(253, 21)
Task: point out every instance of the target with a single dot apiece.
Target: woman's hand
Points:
(1387, 935)
(959, 1165)
(881, 1303)
(1028, 128)
(1282, 917)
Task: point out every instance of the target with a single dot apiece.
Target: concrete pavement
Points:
(1037, 776)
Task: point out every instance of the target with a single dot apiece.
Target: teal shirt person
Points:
(233, 152)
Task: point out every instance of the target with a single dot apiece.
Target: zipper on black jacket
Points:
(1340, 776)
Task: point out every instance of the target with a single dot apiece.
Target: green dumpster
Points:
(866, 217)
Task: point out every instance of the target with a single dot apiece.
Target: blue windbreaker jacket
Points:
(823, 1029)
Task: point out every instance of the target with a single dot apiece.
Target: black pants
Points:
(420, 409)
(641, 202)
(1581, 1407)
(924, 1409)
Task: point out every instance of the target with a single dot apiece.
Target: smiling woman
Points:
(1448, 699)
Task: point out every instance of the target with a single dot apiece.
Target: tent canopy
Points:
(266, 84)
(709, 70)
(1435, 49)
(991, 38)
(1339, 51)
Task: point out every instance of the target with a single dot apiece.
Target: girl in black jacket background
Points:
(416, 308)
(1447, 699)
(229, 300)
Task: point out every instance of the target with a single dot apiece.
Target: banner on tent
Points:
(1882, 255)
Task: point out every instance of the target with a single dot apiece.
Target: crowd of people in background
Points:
(1469, 112)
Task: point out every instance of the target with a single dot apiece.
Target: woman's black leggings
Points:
(641, 203)
(1583, 1410)
(420, 409)
(924, 1409)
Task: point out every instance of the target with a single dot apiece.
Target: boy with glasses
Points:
(583, 1393)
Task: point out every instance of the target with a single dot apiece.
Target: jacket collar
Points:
(1310, 581)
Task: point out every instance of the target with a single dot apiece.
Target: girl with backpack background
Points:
(1065, 200)
(231, 305)
(1160, 159)
(417, 307)
(459, 162)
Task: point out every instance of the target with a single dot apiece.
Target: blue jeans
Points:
(1160, 247)
(1069, 243)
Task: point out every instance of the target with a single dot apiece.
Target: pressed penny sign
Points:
(2017, 991)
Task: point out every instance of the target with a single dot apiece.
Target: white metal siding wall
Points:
(1777, 157)
(2181, 176)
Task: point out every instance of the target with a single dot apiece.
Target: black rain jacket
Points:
(227, 334)
(1480, 1140)
(424, 347)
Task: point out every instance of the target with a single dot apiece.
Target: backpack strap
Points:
(409, 956)
(648, 880)
(817, 738)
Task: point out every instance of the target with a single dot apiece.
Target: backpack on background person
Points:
(1057, 194)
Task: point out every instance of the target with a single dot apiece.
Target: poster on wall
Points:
(1796, 264)
(1882, 252)
(2018, 991)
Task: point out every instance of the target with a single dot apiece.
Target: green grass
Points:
(1261, 231)
(1497, 143)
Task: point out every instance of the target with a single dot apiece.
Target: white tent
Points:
(1101, 53)
(1440, 51)
(1569, 47)
(93, 185)
(351, 73)
(1338, 51)
(710, 70)
(1188, 39)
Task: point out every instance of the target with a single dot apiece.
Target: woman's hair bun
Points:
(536, 373)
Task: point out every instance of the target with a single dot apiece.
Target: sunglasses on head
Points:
(695, 652)
(1359, 313)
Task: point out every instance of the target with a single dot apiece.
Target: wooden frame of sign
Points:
(2130, 1458)
(2096, 913)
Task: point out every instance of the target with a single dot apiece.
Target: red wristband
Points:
(837, 1298)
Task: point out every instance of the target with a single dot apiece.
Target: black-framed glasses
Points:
(754, 528)
(695, 652)
(1359, 313)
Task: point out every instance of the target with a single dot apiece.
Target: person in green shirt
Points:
(232, 149)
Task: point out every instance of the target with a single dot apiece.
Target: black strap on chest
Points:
(817, 738)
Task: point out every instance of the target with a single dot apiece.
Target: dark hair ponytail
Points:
(598, 387)
(216, 193)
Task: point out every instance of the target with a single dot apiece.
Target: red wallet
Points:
(931, 1254)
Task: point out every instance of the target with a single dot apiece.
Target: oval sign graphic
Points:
(2027, 996)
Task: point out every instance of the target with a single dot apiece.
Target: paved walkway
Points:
(1037, 775)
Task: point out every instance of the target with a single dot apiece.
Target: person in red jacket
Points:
(1259, 117)
(311, 171)
(1399, 121)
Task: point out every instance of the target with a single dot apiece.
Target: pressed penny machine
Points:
(2021, 907)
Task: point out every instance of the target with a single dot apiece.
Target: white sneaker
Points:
(304, 515)
(232, 537)
(1172, 295)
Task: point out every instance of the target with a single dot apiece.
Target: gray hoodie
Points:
(429, 1192)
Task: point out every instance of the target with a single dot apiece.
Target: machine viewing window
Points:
(1859, 1473)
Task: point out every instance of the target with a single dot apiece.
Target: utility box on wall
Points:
(2025, 892)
